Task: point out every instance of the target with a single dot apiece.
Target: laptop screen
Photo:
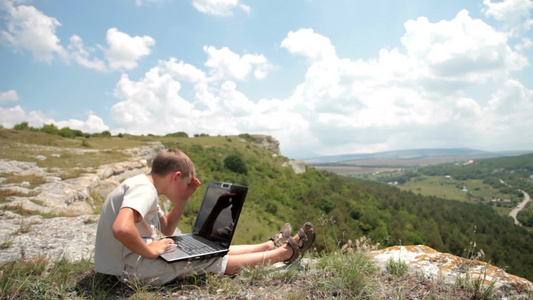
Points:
(219, 212)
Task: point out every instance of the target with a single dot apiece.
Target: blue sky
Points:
(322, 77)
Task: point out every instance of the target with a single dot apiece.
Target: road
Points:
(516, 210)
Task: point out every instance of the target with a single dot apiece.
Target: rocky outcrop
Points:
(451, 269)
(297, 165)
(58, 218)
(268, 142)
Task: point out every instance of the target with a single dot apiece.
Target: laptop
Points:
(214, 226)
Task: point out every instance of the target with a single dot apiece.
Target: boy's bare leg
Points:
(238, 261)
(243, 249)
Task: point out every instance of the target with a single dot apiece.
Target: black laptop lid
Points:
(220, 212)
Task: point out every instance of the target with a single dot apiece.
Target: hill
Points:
(343, 209)
(405, 158)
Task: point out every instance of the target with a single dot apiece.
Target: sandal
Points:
(306, 237)
(282, 237)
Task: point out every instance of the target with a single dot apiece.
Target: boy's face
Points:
(182, 186)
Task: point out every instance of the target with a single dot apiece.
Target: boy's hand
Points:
(191, 188)
(161, 246)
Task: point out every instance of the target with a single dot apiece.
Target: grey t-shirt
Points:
(139, 194)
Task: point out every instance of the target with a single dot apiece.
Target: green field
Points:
(451, 189)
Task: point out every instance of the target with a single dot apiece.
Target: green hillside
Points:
(341, 208)
(344, 208)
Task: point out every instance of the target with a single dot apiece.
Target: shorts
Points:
(157, 271)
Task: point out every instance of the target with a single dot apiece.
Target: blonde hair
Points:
(172, 160)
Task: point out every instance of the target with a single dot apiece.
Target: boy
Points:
(124, 242)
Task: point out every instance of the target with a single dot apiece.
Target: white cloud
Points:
(183, 71)
(91, 125)
(124, 51)
(155, 104)
(152, 104)
(463, 50)
(512, 97)
(515, 14)
(412, 98)
(82, 55)
(225, 64)
(10, 95)
(309, 44)
(448, 83)
(29, 29)
(15, 115)
(415, 96)
(222, 8)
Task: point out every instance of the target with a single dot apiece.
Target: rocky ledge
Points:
(59, 217)
(451, 269)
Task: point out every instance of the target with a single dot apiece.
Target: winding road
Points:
(521, 206)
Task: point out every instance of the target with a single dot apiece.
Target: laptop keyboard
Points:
(191, 245)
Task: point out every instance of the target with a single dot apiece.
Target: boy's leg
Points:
(243, 249)
(238, 261)
(156, 271)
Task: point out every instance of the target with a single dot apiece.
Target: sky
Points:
(322, 77)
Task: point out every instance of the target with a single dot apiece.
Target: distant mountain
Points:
(410, 154)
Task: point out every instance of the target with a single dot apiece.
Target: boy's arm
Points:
(170, 221)
(125, 231)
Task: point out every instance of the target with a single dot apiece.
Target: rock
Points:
(13, 166)
(74, 236)
(449, 268)
(268, 142)
(297, 165)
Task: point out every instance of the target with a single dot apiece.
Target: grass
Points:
(24, 212)
(32, 180)
(339, 275)
(62, 152)
(451, 189)
(397, 267)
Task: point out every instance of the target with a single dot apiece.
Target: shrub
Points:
(178, 134)
(50, 129)
(235, 163)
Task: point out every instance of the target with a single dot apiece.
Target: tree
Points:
(50, 129)
(178, 134)
(235, 163)
(21, 126)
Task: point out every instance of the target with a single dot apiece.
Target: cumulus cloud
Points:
(415, 96)
(91, 125)
(155, 103)
(82, 55)
(124, 51)
(309, 44)
(14, 115)
(448, 83)
(10, 95)
(462, 50)
(515, 14)
(222, 8)
(30, 30)
(226, 64)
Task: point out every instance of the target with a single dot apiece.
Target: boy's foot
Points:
(283, 236)
(301, 242)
